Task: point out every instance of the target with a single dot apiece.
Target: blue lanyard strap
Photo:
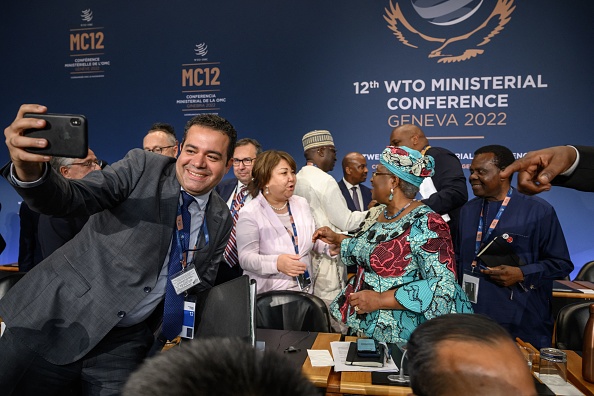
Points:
(182, 243)
(479, 233)
(293, 236)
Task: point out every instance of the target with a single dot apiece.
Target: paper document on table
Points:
(340, 350)
(587, 291)
(559, 386)
(320, 357)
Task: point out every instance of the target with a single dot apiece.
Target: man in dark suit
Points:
(565, 166)
(29, 248)
(246, 151)
(41, 235)
(161, 139)
(445, 192)
(354, 169)
(81, 313)
(2, 241)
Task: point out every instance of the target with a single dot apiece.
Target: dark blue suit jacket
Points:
(226, 187)
(365, 193)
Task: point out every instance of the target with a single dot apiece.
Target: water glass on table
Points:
(553, 366)
(530, 357)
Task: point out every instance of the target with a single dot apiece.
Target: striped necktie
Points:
(230, 254)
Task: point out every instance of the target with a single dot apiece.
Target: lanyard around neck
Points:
(184, 245)
(294, 234)
(494, 222)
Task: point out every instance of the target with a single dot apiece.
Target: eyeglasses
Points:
(374, 174)
(88, 164)
(246, 161)
(158, 150)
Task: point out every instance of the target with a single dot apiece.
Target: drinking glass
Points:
(553, 366)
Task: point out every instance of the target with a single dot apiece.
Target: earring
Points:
(391, 194)
(267, 190)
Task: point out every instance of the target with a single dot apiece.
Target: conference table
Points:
(334, 383)
(581, 290)
(14, 267)
(569, 292)
(359, 382)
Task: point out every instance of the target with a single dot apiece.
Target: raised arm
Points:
(537, 169)
(27, 166)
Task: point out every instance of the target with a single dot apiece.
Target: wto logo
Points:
(458, 27)
(201, 49)
(87, 15)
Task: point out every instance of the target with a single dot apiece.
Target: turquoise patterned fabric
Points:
(414, 257)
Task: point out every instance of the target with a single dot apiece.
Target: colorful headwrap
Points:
(407, 164)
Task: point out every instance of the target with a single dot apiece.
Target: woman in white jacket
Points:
(274, 230)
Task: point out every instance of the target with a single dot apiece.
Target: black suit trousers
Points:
(103, 371)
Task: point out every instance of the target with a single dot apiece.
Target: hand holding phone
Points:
(66, 134)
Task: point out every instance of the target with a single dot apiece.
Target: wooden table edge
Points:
(574, 373)
(321, 376)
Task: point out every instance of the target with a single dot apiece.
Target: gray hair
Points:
(58, 162)
(408, 189)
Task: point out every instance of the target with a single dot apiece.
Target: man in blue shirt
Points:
(518, 298)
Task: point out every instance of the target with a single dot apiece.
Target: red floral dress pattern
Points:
(412, 256)
(390, 258)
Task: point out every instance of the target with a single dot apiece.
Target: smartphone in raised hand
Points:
(67, 135)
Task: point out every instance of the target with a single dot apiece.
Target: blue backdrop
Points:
(495, 72)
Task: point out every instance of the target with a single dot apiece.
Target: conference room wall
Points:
(285, 68)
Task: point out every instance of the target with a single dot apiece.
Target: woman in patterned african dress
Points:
(403, 253)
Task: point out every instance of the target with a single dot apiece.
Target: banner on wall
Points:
(468, 72)
(87, 56)
(450, 32)
(201, 89)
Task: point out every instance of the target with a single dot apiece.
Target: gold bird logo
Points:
(447, 52)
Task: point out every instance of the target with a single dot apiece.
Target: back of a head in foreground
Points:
(218, 366)
(466, 354)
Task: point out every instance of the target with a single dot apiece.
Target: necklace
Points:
(397, 213)
(281, 208)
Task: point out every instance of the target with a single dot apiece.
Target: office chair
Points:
(586, 273)
(7, 280)
(228, 310)
(292, 310)
(570, 325)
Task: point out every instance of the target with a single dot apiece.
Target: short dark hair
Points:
(216, 123)
(425, 378)
(218, 366)
(262, 170)
(502, 156)
(246, 141)
(163, 127)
